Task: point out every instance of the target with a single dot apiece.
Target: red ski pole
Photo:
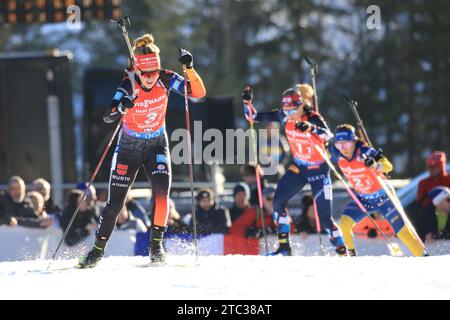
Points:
(258, 178)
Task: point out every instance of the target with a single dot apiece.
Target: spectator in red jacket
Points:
(436, 166)
(249, 224)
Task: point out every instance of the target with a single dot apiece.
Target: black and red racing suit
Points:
(143, 142)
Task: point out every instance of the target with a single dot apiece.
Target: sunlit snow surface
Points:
(232, 277)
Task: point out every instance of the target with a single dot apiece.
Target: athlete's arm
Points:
(320, 127)
(112, 114)
(195, 83)
(173, 81)
(383, 164)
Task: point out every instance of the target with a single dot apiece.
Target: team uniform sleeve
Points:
(173, 81)
(320, 128)
(384, 165)
(112, 114)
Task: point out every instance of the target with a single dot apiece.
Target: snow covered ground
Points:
(232, 277)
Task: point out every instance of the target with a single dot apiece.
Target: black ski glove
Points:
(126, 103)
(304, 126)
(247, 94)
(186, 58)
(370, 163)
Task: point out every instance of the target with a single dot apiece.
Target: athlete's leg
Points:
(351, 216)
(404, 233)
(158, 170)
(289, 185)
(124, 167)
(320, 182)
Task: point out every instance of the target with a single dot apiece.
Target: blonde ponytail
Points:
(145, 45)
(306, 91)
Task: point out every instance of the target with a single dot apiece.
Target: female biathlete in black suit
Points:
(142, 100)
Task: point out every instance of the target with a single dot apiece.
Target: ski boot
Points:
(285, 247)
(341, 251)
(156, 249)
(351, 252)
(91, 259)
(283, 250)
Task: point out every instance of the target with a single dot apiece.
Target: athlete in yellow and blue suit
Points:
(361, 165)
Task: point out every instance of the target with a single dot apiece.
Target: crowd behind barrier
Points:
(31, 225)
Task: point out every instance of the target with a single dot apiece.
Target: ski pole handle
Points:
(123, 23)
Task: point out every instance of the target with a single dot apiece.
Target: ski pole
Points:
(347, 187)
(123, 23)
(258, 178)
(314, 70)
(362, 130)
(191, 168)
(91, 180)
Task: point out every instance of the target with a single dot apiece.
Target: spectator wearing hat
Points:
(211, 218)
(241, 197)
(435, 223)
(249, 224)
(14, 208)
(436, 166)
(86, 219)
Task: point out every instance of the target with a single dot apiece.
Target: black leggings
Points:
(129, 155)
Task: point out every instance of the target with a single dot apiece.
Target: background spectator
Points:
(175, 224)
(241, 197)
(127, 221)
(436, 166)
(86, 219)
(248, 174)
(435, 223)
(37, 202)
(211, 218)
(14, 210)
(249, 224)
(137, 210)
(44, 188)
